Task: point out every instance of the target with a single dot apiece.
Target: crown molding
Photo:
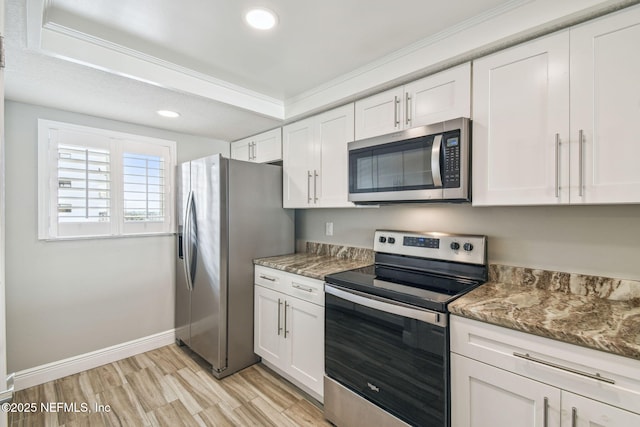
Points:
(65, 43)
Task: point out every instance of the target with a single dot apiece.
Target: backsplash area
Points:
(339, 251)
(591, 240)
(570, 283)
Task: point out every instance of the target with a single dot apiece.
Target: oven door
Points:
(390, 353)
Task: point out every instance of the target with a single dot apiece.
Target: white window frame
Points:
(118, 143)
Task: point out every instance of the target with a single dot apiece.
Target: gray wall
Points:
(600, 240)
(72, 297)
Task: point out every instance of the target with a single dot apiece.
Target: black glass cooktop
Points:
(418, 288)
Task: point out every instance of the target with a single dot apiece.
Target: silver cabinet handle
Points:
(435, 161)
(271, 279)
(308, 186)
(254, 150)
(302, 287)
(407, 109)
(545, 413)
(574, 417)
(279, 305)
(315, 186)
(581, 160)
(286, 306)
(396, 118)
(595, 376)
(557, 165)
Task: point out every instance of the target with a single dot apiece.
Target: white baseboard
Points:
(72, 365)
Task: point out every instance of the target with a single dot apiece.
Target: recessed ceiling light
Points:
(168, 113)
(261, 19)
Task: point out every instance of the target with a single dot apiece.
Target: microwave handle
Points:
(435, 161)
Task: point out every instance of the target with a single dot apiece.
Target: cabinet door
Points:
(305, 343)
(443, 96)
(578, 411)
(241, 150)
(297, 159)
(485, 396)
(268, 325)
(268, 146)
(379, 114)
(605, 108)
(521, 124)
(334, 132)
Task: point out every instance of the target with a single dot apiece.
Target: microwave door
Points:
(399, 171)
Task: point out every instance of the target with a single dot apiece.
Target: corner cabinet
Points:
(502, 378)
(263, 148)
(555, 120)
(289, 327)
(439, 97)
(315, 160)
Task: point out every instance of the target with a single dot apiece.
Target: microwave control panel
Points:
(451, 149)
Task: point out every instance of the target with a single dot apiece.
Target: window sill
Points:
(101, 237)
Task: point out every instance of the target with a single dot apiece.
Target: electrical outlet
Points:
(328, 229)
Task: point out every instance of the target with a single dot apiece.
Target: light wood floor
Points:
(166, 387)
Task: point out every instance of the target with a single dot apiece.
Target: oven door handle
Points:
(388, 306)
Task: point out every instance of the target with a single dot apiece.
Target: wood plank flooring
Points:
(166, 387)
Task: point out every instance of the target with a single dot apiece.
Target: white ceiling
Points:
(125, 59)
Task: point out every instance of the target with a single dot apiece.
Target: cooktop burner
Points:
(421, 269)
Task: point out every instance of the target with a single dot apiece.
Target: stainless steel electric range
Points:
(386, 329)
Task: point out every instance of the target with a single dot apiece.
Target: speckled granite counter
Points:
(595, 312)
(319, 260)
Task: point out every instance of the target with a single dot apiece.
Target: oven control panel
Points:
(442, 246)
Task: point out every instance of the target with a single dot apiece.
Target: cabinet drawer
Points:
(552, 362)
(269, 278)
(307, 289)
(302, 287)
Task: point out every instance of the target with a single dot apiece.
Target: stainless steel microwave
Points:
(423, 164)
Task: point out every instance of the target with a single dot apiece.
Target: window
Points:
(96, 183)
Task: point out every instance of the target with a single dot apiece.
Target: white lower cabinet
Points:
(578, 411)
(289, 327)
(504, 378)
(484, 396)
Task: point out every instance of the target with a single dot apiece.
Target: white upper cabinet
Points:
(605, 109)
(263, 148)
(315, 160)
(556, 120)
(442, 96)
(520, 121)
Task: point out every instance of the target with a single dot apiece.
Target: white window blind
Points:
(96, 183)
(84, 184)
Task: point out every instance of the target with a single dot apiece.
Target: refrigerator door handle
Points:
(186, 241)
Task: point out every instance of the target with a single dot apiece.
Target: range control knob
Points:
(455, 246)
(382, 239)
(468, 247)
(391, 240)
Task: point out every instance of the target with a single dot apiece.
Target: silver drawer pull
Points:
(271, 279)
(595, 376)
(301, 287)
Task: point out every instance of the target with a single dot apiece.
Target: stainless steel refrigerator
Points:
(230, 212)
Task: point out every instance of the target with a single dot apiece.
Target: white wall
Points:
(72, 297)
(599, 240)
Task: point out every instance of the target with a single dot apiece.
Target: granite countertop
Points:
(595, 312)
(319, 260)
